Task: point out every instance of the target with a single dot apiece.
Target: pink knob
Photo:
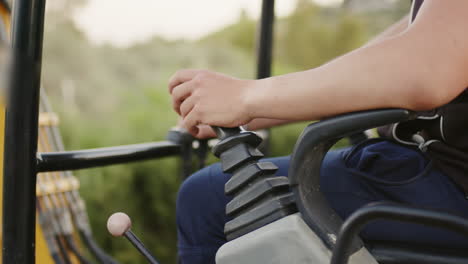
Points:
(118, 224)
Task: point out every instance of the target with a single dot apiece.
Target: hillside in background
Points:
(110, 96)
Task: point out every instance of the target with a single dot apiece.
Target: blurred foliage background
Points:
(110, 96)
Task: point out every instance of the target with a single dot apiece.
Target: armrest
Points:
(89, 158)
(178, 142)
(306, 160)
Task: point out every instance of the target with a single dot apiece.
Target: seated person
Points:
(420, 67)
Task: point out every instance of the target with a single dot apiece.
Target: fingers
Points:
(187, 106)
(180, 77)
(179, 94)
(191, 121)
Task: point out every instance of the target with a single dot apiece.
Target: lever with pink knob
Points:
(119, 224)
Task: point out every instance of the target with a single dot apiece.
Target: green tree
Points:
(314, 35)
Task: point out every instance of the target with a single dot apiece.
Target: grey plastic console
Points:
(286, 241)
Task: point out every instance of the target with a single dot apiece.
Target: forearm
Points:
(388, 74)
(395, 29)
(422, 68)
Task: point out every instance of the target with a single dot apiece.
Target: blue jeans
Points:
(375, 170)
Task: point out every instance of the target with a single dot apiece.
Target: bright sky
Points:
(124, 22)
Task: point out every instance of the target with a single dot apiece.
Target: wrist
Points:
(253, 97)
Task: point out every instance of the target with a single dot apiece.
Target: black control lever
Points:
(259, 197)
(223, 132)
(119, 224)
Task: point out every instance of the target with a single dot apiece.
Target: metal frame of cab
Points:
(22, 161)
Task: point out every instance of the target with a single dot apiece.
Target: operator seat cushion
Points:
(380, 170)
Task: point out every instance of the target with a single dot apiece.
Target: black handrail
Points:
(19, 192)
(89, 158)
(265, 39)
(265, 52)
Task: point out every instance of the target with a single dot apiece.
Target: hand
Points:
(206, 98)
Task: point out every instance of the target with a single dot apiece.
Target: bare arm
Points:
(393, 30)
(421, 68)
(205, 131)
(263, 123)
